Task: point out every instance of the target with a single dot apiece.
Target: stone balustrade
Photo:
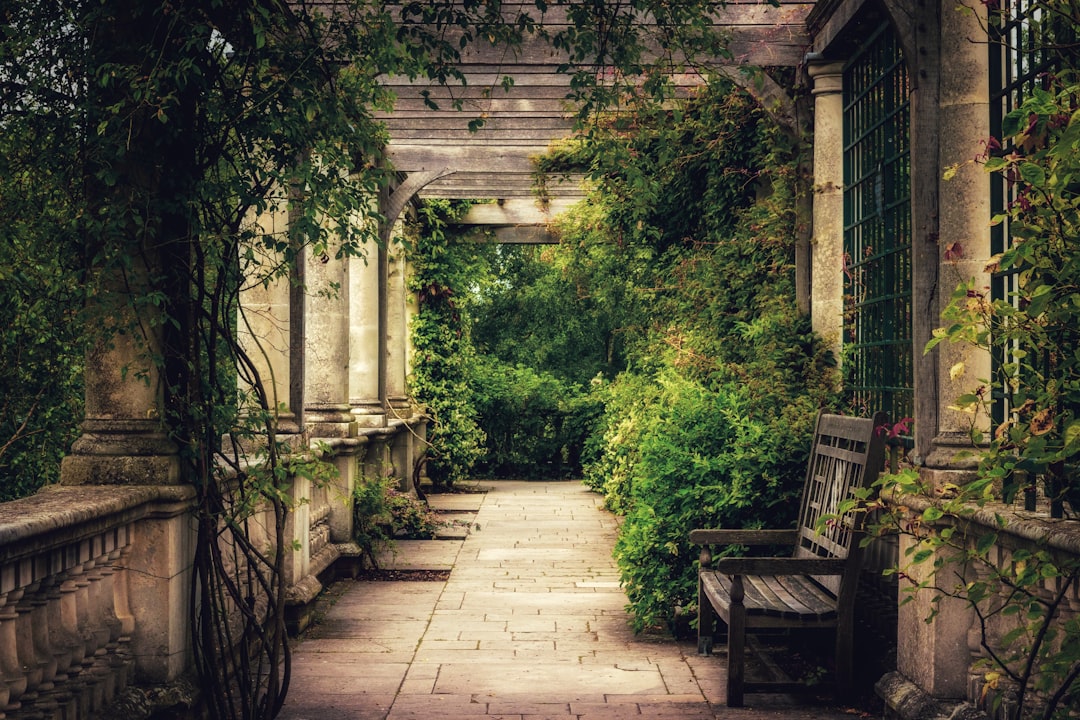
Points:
(68, 635)
(943, 654)
(95, 580)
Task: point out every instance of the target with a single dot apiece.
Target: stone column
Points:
(964, 119)
(326, 386)
(158, 568)
(827, 241)
(268, 334)
(122, 440)
(937, 655)
(365, 347)
(397, 331)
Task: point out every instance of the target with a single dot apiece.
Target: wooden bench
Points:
(815, 586)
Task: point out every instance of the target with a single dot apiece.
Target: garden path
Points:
(529, 625)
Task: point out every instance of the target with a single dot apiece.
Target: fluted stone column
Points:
(937, 654)
(397, 344)
(122, 440)
(827, 241)
(396, 333)
(326, 372)
(269, 335)
(365, 346)
(964, 217)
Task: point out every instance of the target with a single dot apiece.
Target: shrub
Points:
(382, 513)
(705, 458)
(535, 423)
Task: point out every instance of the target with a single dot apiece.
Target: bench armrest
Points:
(779, 566)
(744, 537)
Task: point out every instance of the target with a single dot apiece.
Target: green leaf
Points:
(922, 555)
(1033, 174)
(985, 542)
(1014, 122)
(932, 514)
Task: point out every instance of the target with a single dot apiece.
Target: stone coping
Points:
(1054, 533)
(365, 435)
(60, 514)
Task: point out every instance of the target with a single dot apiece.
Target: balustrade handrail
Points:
(71, 513)
(1033, 526)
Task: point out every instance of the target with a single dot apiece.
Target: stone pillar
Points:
(158, 567)
(934, 655)
(827, 241)
(122, 440)
(268, 334)
(396, 331)
(937, 655)
(326, 348)
(964, 217)
(365, 332)
(297, 531)
(341, 489)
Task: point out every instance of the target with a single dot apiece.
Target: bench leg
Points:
(736, 646)
(706, 622)
(844, 660)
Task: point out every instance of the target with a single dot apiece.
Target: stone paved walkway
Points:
(531, 625)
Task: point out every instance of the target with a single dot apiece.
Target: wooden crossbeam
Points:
(520, 123)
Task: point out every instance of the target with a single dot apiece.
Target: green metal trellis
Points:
(877, 228)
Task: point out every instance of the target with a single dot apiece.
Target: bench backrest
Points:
(847, 453)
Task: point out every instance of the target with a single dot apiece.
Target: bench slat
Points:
(791, 597)
(821, 605)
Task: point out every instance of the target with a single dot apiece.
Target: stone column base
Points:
(904, 700)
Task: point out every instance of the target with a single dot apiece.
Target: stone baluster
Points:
(81, 593)
(976, 675)
(33, 667)
(39, 621)
(106, 601)
(14, 679)
(61, 643)
(74, 641)
(99, 624)
(119, 560)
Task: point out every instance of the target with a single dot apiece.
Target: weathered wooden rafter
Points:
(521, 121)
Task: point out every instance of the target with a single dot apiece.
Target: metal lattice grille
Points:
(1028, 43)
(877, 229)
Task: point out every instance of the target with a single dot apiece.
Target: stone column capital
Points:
(828, 77)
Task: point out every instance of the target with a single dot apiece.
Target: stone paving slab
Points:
(420, 555)
(531, 625)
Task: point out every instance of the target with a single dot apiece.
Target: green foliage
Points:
(511, 316)
(692, 236)
(535, 422)
(444, 358)
(41, 345)
(41, 283)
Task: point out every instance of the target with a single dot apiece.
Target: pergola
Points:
(441, 158)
